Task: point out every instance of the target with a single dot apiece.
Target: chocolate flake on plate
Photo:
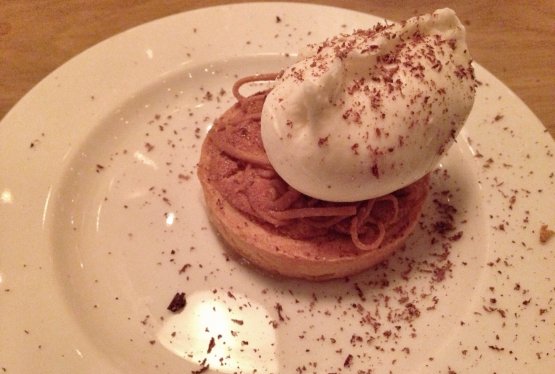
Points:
(545, 233)
(178, 303)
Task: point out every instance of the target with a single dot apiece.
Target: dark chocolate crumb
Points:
(211, 345)
(184, 268)
(496, 348)
(348, 361)
(149, 147)
(178, 303)
(203, 368)
(279, 309)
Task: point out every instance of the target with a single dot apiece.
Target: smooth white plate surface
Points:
(102, 222)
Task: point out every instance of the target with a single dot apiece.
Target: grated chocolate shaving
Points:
(178, 303)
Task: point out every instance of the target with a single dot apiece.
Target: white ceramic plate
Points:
(100, 209)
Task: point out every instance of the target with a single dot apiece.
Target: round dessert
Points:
(281, 230)
(258, 161)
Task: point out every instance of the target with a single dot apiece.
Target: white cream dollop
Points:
(365, 114)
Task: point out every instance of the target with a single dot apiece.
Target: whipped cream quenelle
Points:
(365, 114)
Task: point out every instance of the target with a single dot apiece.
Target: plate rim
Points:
(12, 119)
